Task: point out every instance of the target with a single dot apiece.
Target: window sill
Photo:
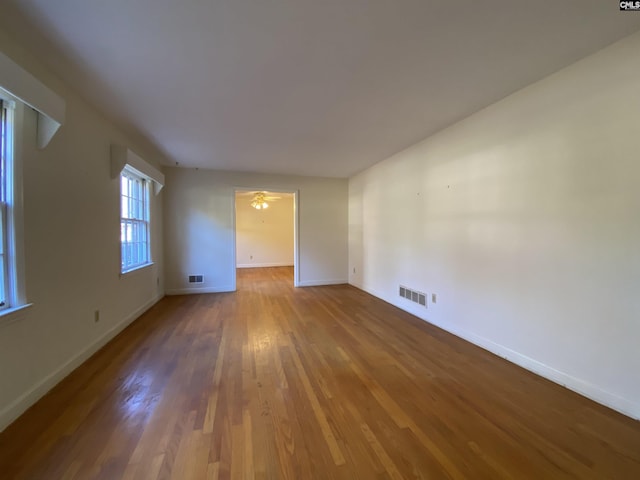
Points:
(136, 269)
(14, 314)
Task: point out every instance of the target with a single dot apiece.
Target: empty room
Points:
(319, 240)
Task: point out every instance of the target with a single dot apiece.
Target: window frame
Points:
(11, 207)
(139, 219)
(6, 196)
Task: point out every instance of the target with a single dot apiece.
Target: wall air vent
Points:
(196, 279)
(413, 295)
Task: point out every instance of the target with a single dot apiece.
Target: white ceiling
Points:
(311, 87)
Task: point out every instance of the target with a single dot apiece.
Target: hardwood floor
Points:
(273, 382)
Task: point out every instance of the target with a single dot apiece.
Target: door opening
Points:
(266, 229)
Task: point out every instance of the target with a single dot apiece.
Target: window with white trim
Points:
(6, 151)
(12, 292)
(135, 247)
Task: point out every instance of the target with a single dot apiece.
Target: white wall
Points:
(71, 223)
(524, 219)
(264, 238)
(199, 227)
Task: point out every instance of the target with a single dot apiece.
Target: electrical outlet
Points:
(96, 316)
(433, 298)
(354, 269)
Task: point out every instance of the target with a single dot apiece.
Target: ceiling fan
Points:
(260, 199)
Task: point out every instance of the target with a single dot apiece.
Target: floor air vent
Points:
(416, 297)
(196, 279)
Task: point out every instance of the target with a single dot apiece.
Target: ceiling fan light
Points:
(259, 202)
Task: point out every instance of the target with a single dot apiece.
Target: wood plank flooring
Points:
(272, 382)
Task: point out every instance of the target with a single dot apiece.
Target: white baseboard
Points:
(320, 283)
(623, 405)
(264, 265)
(578, 385)
(22, 403)
(198, 290)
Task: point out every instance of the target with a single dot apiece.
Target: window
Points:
(136, 177)
(135, 251)
(12, 292)
(6, 150)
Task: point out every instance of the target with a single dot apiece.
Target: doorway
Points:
(266, 229)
